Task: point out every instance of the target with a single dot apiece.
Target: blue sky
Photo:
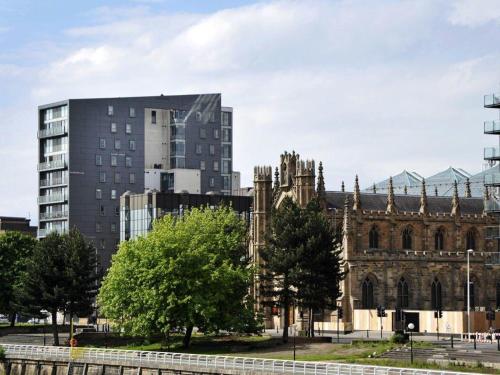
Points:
(368, 87)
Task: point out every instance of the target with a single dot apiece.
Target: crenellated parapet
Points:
(288, 168)
(305, 181)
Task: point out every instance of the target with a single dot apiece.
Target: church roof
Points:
(408, 203)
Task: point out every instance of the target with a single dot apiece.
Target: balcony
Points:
(53, 182)
(491, 153)
(55, 215)
(44, 232)
(492, 101)
(53, 198)
(52, 132)
(492, 127)
(492, 179)
(55, 164)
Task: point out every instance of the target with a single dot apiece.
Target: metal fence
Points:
(194, 362)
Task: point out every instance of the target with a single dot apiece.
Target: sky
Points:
(367, 87)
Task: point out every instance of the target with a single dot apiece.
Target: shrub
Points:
(399, 338)
(2, 354)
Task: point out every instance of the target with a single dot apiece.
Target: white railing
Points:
(199, 362)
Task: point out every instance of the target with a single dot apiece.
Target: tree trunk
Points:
(286, 311)
(312, 322)
(13, 319)
(54, 327)
(187, 337)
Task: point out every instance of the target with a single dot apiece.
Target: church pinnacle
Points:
(455, 202)
(468, 193)
(320, 190)
(357, 195)
(424, 210)
(391, 206)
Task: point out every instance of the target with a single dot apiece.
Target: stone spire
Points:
(276, 184)
(436, 191)
(320, 189)
(468, 193)
(374, 189)
(347, 216)
(342, 187)
(406, 190)
(424, 210)
(356, 196)
(455, 202)
(391, 206)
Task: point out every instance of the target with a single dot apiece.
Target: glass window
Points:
(367, 300)
(203, 133)
(211, 116)
(216, 166)
(212, 150)
(98, 160)
(178, 131)
(117, 210)
(98, 194)
(403, 299)
(226, 183)
(102, 176)
(113, 227)
(439, 239)
(118, 144)
(225, 119)
(226, 166)
(117, 178)
(128, 161)
(373, 238)
(216, 133)
(102, 243)
(202, 165)
(198, 149)
(113, 127)
(128, 128)
(114, 161)
(131, 112)
(470, 239)
(131, 178)
(226, 151)
(102, 143)
(226, 135)
(110, 110)
(211, 182)
(131, 145)
(177, 148)
(178, 162)
(407, 238)
(102, 210)
(153, 117)
(113, 194)
(198, 116)
(98, 227)
(436, 295)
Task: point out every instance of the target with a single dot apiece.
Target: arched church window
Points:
(436, 295)
(470, 239)
(439, 239)
(367, 298)
(403, 298)
(407, 238)
(373, 238)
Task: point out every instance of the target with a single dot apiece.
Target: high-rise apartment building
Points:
(91, 151)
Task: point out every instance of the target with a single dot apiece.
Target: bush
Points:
(399, 338)
(2, 354)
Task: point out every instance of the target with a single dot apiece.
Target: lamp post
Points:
(411, 326)
(469, 251)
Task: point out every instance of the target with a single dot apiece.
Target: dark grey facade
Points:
(91, 151)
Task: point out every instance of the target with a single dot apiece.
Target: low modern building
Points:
(91, 151)
(18, 224)
(138, 211)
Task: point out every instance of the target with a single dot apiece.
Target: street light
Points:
(468, 292)
(411, 326)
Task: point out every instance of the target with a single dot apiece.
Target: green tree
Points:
(189, 271)
(320, 264)
(60, 276)
(15, 250)
(281, 258)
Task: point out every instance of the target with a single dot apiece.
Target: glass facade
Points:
(226, 151)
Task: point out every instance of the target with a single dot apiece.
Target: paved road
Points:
(32, 338)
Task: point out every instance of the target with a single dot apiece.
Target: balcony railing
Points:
(491, 153)
(53, 215)
(52, 132)
(55, 164)
(492, 205)
(53, 182)
(492, 127)
(44, 232)
(491, 100)
(53, 198)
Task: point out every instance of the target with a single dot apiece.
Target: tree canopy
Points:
(189, 271)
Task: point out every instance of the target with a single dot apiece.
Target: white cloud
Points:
(475, 13)
(366, 87)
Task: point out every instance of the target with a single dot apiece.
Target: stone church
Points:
(401, 251)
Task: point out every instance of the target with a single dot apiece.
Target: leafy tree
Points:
(190, 271)
(281, 258)
(60, 276)
(15, 250)
(320, 267)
